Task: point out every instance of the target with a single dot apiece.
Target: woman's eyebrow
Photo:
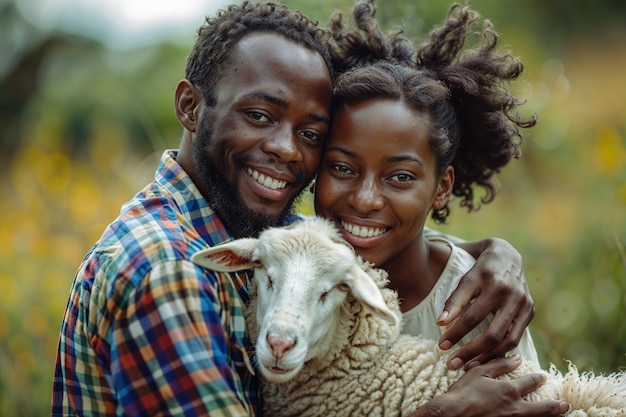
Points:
(403, 158)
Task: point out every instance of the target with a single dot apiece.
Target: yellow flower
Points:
(610, 154)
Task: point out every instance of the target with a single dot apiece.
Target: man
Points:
(146, 332)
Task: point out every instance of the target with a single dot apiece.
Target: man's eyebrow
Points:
(283, 104)
(318, 117)
(268, 98)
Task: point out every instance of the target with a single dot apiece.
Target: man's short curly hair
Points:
(210, 57)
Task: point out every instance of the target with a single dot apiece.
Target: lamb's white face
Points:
(303, 275)
(296, 308)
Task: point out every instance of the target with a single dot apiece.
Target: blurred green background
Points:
(85, 114)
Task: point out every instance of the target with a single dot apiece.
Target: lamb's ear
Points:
(365, 289)
(228, 257)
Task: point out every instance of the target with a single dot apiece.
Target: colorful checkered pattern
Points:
(146, 332)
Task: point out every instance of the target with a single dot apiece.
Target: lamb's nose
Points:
(280, 344)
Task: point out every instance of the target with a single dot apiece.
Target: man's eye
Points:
(310, 135)
(258, 116)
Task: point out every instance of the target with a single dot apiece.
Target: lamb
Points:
(328, 341)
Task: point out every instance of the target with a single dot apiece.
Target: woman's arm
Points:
(495, 284)
(477, 393)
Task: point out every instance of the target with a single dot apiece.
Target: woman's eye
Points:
(341, 169)
(402, 178)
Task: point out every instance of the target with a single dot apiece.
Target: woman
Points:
(408, 132)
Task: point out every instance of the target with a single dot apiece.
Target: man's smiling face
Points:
(261, 143)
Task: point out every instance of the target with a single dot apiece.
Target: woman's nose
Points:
(366, 196)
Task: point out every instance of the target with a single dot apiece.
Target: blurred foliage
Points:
(81, 129)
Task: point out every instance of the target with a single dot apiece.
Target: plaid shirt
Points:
(146, 332)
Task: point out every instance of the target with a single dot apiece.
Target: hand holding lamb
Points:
(327, 333)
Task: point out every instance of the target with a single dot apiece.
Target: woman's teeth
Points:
(362, 231)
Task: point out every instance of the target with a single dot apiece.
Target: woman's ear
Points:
(188, 100)
(444, 188)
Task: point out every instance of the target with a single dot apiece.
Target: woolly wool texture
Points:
(368, 368)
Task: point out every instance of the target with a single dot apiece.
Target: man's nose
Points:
(283, 144)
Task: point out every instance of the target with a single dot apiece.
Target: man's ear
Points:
(444, 188)
(188, 100)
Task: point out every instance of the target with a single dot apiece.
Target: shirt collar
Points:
(194, 207)
(192, 204)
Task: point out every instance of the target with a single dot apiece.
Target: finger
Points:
(516, 330)
(510, 340)
(466, 290)
(546, 409)
(508, 343)
(472, 317)
(481, 350)
(499, 366)
(467, 353)
(477, 360)
(521, 386)
(530, 383)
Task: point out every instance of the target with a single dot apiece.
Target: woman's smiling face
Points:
(377, 179)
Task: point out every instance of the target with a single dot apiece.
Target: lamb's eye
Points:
(270, 284)
(324, 296)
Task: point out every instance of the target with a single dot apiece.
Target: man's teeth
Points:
(266, 181)
(362, 231)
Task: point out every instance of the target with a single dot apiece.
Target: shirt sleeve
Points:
(171, 345)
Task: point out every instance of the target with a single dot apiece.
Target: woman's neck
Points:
(414, 272)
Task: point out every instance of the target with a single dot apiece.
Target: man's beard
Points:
(239, 219)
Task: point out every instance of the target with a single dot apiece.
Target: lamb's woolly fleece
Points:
(369, 369)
